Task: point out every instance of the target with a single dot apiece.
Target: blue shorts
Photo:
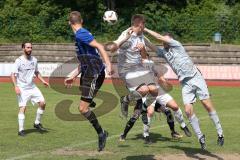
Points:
(194, 87)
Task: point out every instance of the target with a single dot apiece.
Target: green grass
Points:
(80, 138)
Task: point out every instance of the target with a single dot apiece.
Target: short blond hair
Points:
(75, 17)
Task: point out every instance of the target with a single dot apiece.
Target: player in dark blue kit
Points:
(92, 71)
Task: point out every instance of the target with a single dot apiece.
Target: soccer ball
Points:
(110, 17)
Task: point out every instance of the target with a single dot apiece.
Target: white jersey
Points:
(129, 57)
(25, 69)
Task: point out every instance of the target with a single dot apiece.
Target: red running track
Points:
(225, 83)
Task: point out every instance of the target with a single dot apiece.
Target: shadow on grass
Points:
(140, 157)
(155, 137)
(194, 153)
(123, 145)
(29, 131)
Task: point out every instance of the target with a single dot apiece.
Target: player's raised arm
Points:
(104, 55)
(124, 37)
(151, 46)
(115, 45)
(158, 36)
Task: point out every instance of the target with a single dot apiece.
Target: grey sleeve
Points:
(174, 43)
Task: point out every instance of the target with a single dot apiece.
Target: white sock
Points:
(149, 120)
(21, 118)
(213, 115)
(146, 128)
(38, 115)
(195, 125)
(179, 117)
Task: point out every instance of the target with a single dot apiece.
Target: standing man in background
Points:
(24, 70)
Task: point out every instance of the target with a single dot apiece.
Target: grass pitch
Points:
(78, 140)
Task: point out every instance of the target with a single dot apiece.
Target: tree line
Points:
(191, 21)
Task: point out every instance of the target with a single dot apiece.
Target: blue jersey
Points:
(88, 56)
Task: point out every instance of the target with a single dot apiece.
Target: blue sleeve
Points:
(85, 37)
(159, 52)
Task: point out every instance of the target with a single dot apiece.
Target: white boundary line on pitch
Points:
(86, 143)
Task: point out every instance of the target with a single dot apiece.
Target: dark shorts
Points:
(89, 86)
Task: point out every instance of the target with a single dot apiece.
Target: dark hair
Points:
(75, 17)
(137, 18)
(24, 43)
(168, 34)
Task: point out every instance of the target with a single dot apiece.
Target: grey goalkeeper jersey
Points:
(178, 60)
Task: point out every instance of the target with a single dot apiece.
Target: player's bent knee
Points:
(188, 113)
(22, 109)
(189, 110)
(143, 90)
(172, 104)
(174, 107)
(208, 105)
(150, 111)
(149, 114)
(153, 89)
(42, 105)
(154, 92)
(83, 109)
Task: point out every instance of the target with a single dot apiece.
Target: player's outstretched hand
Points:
(130, 31)
(109, 69)
(68, 82)
(167, 86)
(17, 90)
(46, 84)
(140, 46)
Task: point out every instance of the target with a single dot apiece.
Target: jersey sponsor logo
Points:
(169, 55)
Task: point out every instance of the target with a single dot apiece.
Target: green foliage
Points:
(189, 20)
(38, 21)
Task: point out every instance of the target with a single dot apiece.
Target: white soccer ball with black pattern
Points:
(110, 17)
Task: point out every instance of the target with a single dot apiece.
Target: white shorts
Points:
(33, 94)
(134, 79)
(194, 87)
(163, 98)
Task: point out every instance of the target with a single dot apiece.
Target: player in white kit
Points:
(139, 81)
(24, 70)
(163, 100)
(161, 104)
